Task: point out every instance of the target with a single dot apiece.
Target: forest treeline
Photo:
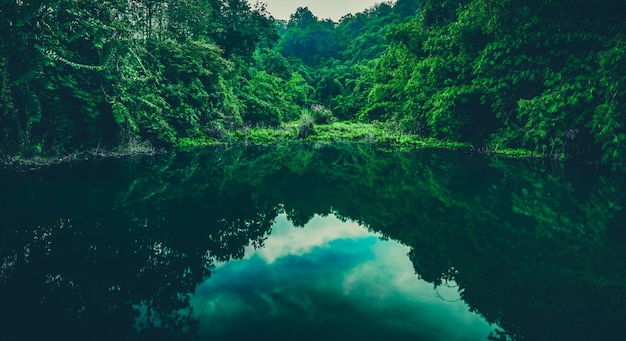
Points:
(544, 76)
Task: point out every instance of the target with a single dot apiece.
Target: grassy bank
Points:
(377, 134)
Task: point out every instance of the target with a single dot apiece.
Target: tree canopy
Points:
(544, 76)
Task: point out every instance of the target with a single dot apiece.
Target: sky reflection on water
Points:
(330, 280)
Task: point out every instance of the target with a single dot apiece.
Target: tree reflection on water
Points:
(114, 248)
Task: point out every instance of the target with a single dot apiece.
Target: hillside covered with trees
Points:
(543, 76)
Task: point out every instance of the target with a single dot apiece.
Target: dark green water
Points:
(339, 242)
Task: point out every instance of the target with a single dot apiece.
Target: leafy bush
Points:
(322, 115)
(307, 125)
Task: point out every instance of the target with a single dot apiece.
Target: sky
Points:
(328, 276)
(323, 9)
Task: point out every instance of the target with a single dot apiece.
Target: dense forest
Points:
(544, 76)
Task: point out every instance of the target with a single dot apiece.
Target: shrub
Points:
(307, 125)
(322, 115)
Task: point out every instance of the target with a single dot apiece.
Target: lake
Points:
(313, 242)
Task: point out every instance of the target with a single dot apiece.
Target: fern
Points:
(119, 113)
(150, 104)
(55, 57)
(32, 108)
(31, 69)
(123, 118)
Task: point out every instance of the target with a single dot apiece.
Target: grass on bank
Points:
(305, 130)
(377, 134)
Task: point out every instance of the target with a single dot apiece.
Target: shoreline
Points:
(374, 134)
(21, 163)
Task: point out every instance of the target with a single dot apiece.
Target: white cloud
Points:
(330, 272)
(287, 240)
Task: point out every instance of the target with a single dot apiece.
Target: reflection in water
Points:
(331, 280)
(124, 249)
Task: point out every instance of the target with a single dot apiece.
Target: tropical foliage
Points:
(544, 76)
(540, 75)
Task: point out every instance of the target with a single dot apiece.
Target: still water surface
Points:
(338, 242)
(329, 280)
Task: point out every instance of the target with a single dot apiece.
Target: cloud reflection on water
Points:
(330, 280)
